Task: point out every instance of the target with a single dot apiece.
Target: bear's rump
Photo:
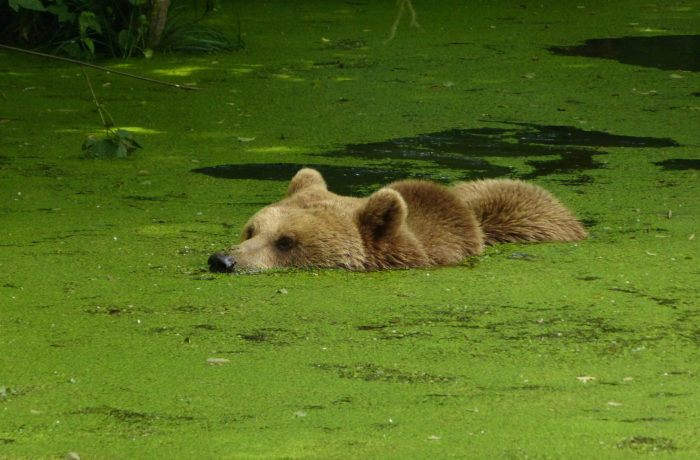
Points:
(512, 211)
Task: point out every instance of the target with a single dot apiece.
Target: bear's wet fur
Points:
(410, 223)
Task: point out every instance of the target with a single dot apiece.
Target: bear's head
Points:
(313, 227)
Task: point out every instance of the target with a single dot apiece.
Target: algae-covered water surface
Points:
(115, 341)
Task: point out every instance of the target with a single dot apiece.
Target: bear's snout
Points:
(221, 263)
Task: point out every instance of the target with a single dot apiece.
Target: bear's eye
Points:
(248, 233)
(284, 243)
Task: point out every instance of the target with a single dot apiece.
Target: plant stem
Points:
(104, 69)
(97, 103)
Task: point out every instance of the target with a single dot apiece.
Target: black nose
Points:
(221, 263)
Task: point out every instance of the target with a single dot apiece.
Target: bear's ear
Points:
(383, 214)
(305, 178)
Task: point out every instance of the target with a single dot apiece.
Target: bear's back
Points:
(445, 226)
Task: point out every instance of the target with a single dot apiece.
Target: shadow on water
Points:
(344, 180)
(678, 164)
(670, 52)
(465, 152)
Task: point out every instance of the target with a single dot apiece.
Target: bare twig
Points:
(409, 5)
(104, 69)
(403, 4)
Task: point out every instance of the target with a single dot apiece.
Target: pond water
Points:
(464, 151)
(116, 342)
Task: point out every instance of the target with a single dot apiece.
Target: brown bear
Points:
(410, 223)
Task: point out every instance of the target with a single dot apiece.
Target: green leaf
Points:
(124, 39)
(35, 5)
(73, 49)
(88, 20)
(87, 41)
(121, 151)
(61, 12)
(98, 148)
(126, 138)
(124, 134)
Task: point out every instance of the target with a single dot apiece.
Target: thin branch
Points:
(104, 69)
(414, 22)
(395, 24)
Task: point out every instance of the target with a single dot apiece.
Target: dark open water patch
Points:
(669, 52)
(468, 151)
(562, 150)
(568, 135)
(344, 180)
(678, 164)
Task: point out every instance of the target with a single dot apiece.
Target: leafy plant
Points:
(84, 29)
(186, 31)
(118, 143)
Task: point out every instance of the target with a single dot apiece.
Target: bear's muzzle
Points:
(221, 262)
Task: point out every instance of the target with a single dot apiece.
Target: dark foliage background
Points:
(85, 29)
